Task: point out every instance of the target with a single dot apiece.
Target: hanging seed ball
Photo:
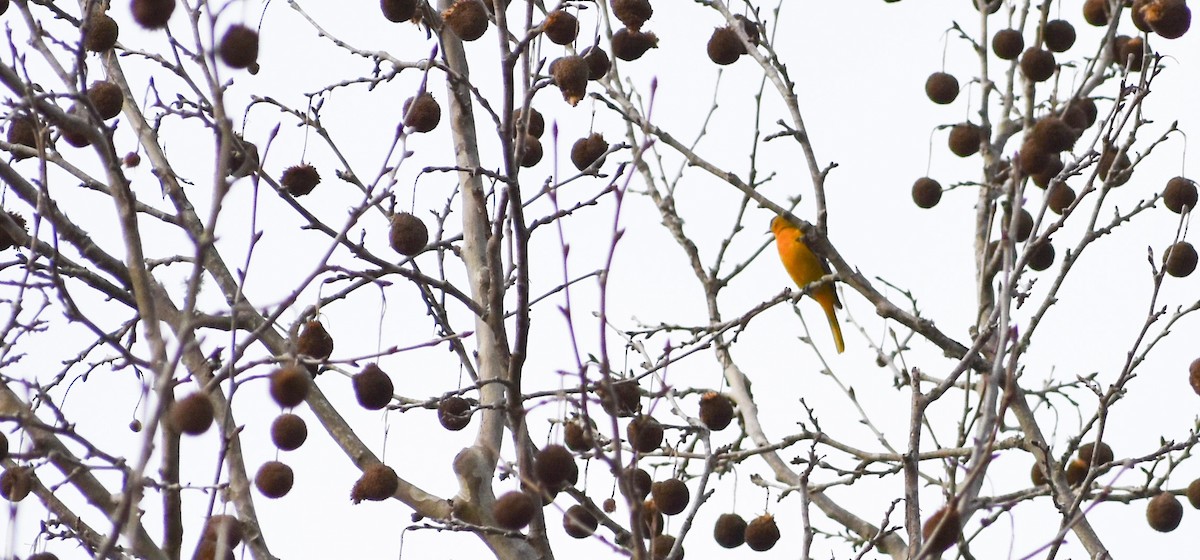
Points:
(1179, 195)
(314, 341)
(152, 14)
(514, 510)
(372, 387)
(597, 61)
(1194, 375)
(1088, 106)
(1077, 471)
(1096, 12)
(1193, 493)
(106, 97)
(1104, 453)
(239, 47)
(397, 11)
(716, 410)
(1033, 158)
(1054, 166)
(1008, 44)
(289, 385)
(1114, 165)
(1060, 197)
(671, 496)
(1180, 259)
(942, 88)
(225, 527)
(7, 241)
(454, 413)
(1139, 20)
(1169, 18)
(422, 113)
(576, 436)
(992, 5)
(1164, 512)
(555, 467)
(377, 483)
(570, 74)
(1037, 64)
(1058, 35)
(579, 523)
(1075, 117)
(131, 159)
(1038, 475)
(536, 124)
(589, 151)
(941, 529)
(408, 235)
(101, 33)
(725, 47)
(610, 505)
(1024, 226)
(274, 479)
(39, 555)
(76, 134)
(23, 130)
(467, 18)
(730, 530)
(630, 45)
(1131, 55)
(632, 13)
(626, 401)
(926, 192)
(639, 481)
(645, 433)
(193, 414)
(299, 180)
(1041, 255)
(3, 446)
(531, 151)
(652, 519)
(561, 27)
(661, 546)
(762, 533)
(964, 139)
(135, 425)
(1054, 134)
(15, 483)
(288, 432)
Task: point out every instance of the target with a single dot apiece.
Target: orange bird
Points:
(805, 268)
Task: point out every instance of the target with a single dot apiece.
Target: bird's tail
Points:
(834, 326)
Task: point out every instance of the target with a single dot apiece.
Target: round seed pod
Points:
(397, 11)
(555, 467)
(570, 74)
(942, 88)
(377, 483)
(926, 192)
(15, 483)
(239, 47)
(730, 530)
(1041, 255)
(192, 415)
(1037, 64)
(631, 45)
(645, 433)
(1169, 18)
(1059, 198)
(101, 33)
(579, 523)
(225, 527)
(3, 446)
(1075, 117)
(1007, 44)
(561, 27)
(725, 47)
(1033, 158)
(762, 533)
(131, 160)
(1038, 475)
(626, 401)
(1103, 453)
(1139, 20)
(1194, 375)
(1058, 35)
(422, 113)
(1049, 171)
(588, 151)
(467, 18)
(76, 134)
(152, 14)
(1180, 259)
(716, 410)
(106, 97)
(372, 387)
(992, 6)
(536, 125)
(7, 241)
(1077, 471)
(41, 555)
(632, 13)
(1179, 195)
(941, 529)
(1130, 54)
(299, 180)
(1164, 512)
(288, 432)
(408, 234)
(576, 435)
(964, 139)
(597, 61)
(207, 550)
(135, 425)
(1193, 493)
(639, 481)
(514, 510)
(289, 385)
(22, 130)
(670, 496)
(610, 505)
(1116, 166)
(1054, 134)
(531, 151)
(661, 545)
(1024, 226)
(314, 341)
(652, 519)
(454, 413)
(274, 479)
(1096, 12)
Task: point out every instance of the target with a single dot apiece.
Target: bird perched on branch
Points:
(805, 268)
